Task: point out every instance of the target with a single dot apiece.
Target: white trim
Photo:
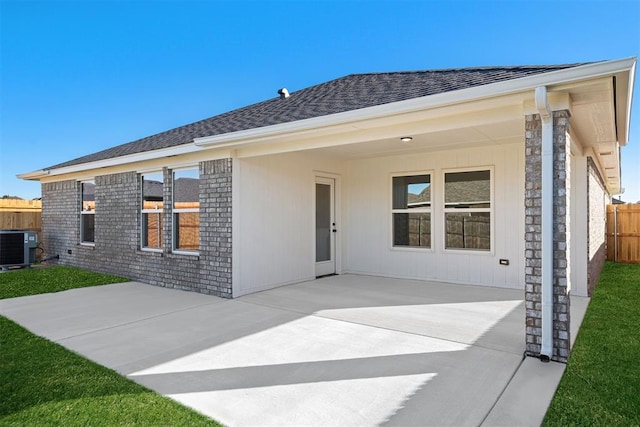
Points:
(318, 176)
(568, 75)
(175, 211)
(144, 211)
(84, 212)
(428, 210)
(150, 249)
(184, 252)
(632, 76)
(491, 90)
(490, 210)
(236, 277)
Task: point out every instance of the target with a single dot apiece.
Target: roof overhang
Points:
(598, 90)
(494, 90)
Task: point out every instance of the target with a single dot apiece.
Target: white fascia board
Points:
(115, 161)
(508, 87)
(492, 90)
(632, 78)
(35, 175)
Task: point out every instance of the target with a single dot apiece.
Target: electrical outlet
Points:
(504, 261)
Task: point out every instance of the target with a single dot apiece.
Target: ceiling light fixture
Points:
(406, 139)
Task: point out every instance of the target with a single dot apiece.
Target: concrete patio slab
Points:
(344, 350)
(84, 310)
(516, 407)
(483, 316)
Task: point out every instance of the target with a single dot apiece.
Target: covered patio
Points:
(342, 350)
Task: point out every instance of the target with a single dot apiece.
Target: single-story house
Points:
(493, 176)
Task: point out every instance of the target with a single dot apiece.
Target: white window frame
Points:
(150, 211)
(428, 210)
(86, 210)
(489, 210)
(175, 211)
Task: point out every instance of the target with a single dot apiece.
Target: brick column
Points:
(533, 235)
(216, 227)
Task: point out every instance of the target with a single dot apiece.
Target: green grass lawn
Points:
(19, 283)
(601, 385)
(42, 383)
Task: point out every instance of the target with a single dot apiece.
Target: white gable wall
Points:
(367, 210)
(273, 224)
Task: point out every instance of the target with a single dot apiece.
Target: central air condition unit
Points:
(17, 248)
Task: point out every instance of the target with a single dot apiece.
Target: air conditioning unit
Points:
(17, 248)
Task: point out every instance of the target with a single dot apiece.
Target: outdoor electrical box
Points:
(17, 248)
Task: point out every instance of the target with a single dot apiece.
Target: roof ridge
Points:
(478, 68)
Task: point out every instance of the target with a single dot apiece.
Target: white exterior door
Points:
(325, 226)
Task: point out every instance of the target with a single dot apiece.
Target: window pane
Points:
(88, 196)
(468, 230)
(152, 191)
(412, 229)
(323, 222)
(152, 230)
(87, 227)
(187, 231)
(186, 189)
(467, 189)
(410, 192)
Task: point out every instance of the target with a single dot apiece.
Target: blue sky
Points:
(79, 77)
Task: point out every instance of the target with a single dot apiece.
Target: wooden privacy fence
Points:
(623, 233)
(20, 214)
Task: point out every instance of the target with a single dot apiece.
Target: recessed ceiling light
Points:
(406, 139)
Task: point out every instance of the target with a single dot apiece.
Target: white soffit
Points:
(496, 95)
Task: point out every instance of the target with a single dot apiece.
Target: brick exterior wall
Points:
(597, 222)
(117, 231)
(561, 237)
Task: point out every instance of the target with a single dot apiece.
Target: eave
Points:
(362, 122)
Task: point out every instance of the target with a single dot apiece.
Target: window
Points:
(186, 210)
(467, 210)
(87, 212)
(411, 210)
(152, 217)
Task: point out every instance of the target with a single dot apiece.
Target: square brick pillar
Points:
(533, 235)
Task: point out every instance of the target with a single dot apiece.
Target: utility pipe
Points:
(546, 115)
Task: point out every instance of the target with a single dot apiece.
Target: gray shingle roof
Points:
(348, 93)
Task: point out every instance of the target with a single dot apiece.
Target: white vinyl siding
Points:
(274, 219)
(367, 226)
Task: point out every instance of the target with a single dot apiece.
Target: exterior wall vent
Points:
(284, 93)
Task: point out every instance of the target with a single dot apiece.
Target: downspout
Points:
(542, 105)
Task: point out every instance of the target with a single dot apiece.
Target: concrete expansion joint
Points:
(142, 319)
(515, 371)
